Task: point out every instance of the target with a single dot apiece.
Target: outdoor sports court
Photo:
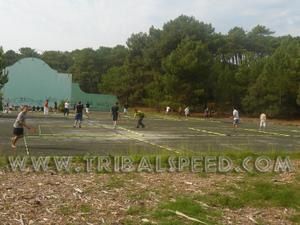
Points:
(55, 135)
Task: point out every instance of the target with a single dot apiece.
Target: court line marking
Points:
(205, 120)
(26, 146)
(166, 117)
(69, 135)
(232, 146)
(266, 132)
(295, 131)
(71, 127)
(145, 141)
(208, 132)
(133, 137)
(130, 131)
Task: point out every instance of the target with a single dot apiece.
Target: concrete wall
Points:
(31, 81)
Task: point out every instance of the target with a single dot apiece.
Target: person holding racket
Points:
(19, 125)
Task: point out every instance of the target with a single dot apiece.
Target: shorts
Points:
(236, 121)
(78, 116)
(18, 131)
(263, 124)
(115, 117)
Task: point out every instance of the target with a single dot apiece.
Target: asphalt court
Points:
(55, 135)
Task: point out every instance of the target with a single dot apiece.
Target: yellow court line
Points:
(266, 132)
(208, 132)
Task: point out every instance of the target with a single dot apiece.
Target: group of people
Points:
(180, 111)
(66, 109)
(236, 120)
(116, 115)
(46, 107)
(20, 122)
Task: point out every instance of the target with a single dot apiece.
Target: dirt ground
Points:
(51, 198)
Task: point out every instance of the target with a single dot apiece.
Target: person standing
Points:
(87, 109)
(126, 106)
(187, 111)
(46, 107)
(179, 112)
(115, 114)
(55, 107)
(168, 109)
(236, 118)
(263, 121)
(66, 108)
(19, 125)
(78, 114)
(206, 113)
(140, 116)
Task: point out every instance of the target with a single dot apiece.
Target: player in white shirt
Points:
(236, 118)
(66, 108)
(168, 108)
(187, 111)
(263, 121)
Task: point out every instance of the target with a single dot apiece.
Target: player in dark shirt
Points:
(115, 114)
(55, 107)
(78, 114)
(140, 116)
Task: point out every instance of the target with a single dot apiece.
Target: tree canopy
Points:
(3, 72)
(188, 63)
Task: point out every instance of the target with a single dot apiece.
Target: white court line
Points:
(296, 131)
(70, 135)
(167, 118)
(26, 146)
(266, 132)
(208, 132)
(205, 120)
(145, 141)
(130, 131)
(136, 138)
(232, 146)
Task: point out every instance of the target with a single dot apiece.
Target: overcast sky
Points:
(75, 24)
